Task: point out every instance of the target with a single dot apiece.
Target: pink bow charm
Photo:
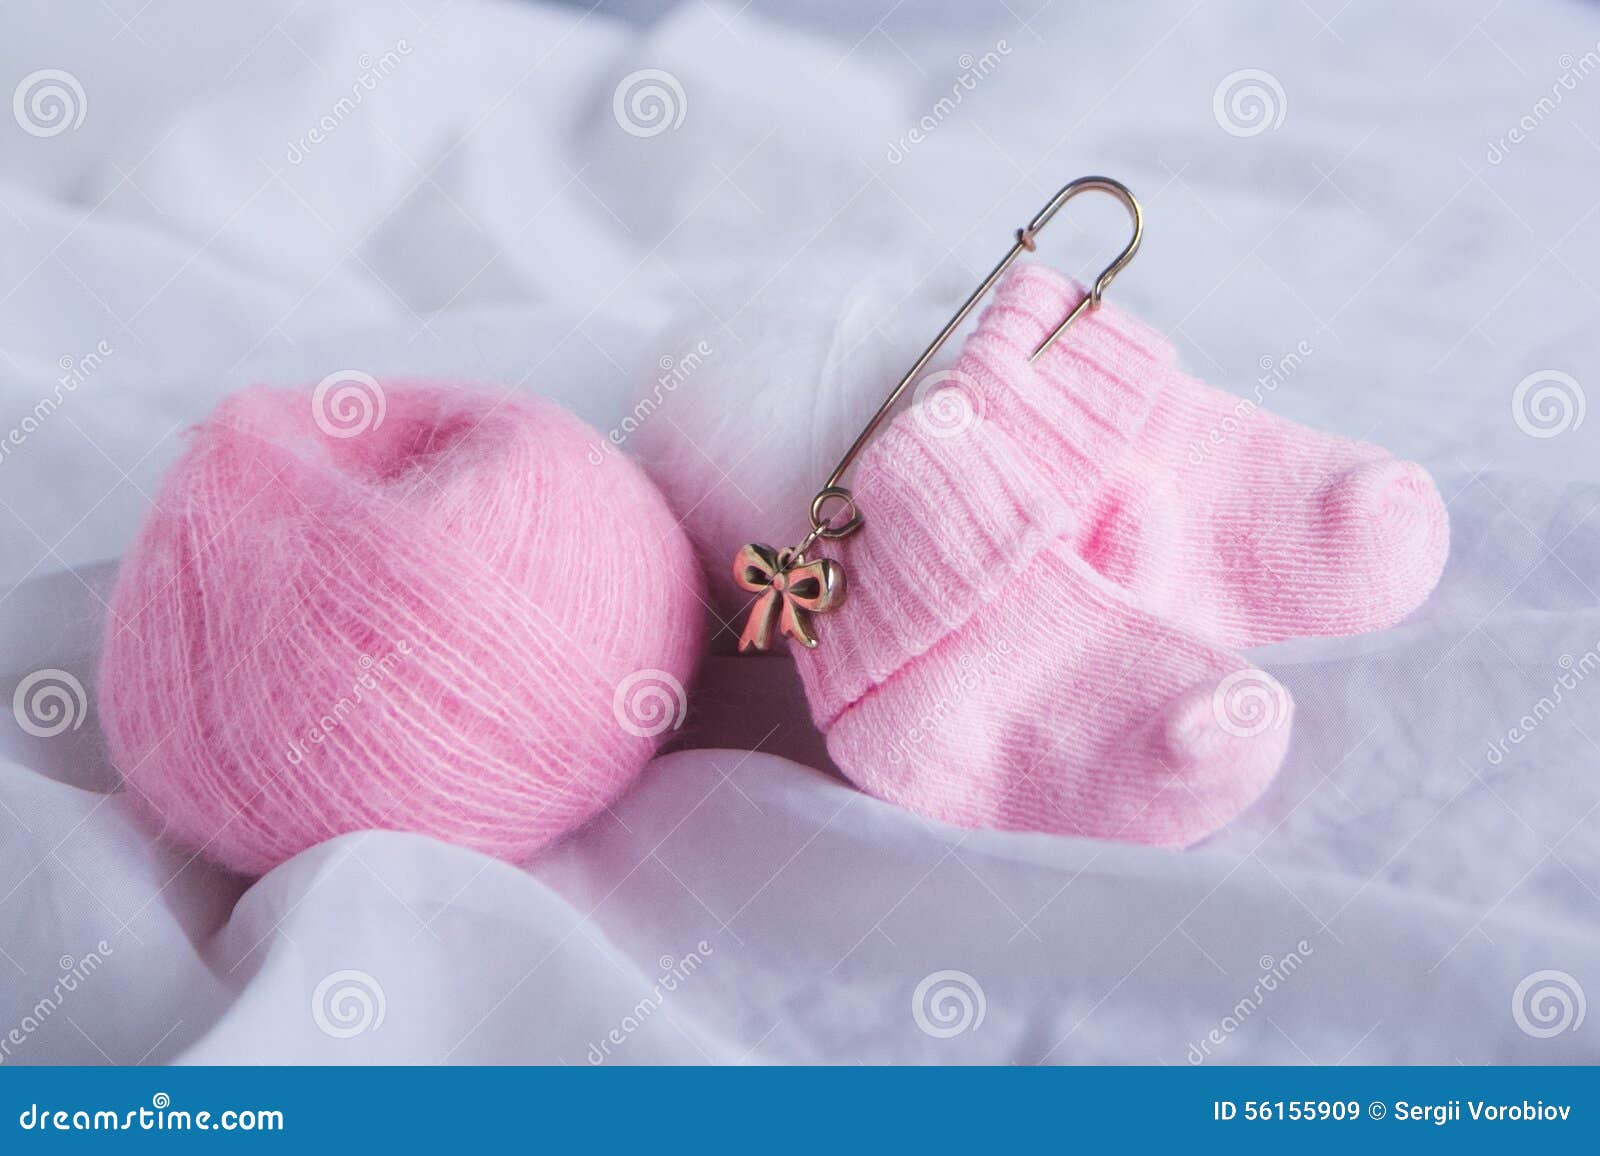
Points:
(791, 590)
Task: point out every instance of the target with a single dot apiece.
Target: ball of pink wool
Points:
(394, 606)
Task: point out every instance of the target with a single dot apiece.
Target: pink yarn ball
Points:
(386, 606)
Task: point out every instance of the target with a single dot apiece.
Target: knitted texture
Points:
(983, 674)
(1054, 551)
(446, 619)
(949, 529)
(1240, 525)
(956, 505)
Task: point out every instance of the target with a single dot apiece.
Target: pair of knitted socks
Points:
(1057, 558)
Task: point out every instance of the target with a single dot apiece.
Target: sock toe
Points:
(1223, 741)
(1389, 530)
(1281, 531)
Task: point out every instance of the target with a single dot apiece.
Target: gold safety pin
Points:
(790, 588)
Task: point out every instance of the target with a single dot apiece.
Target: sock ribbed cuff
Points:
(950, 517)
(1032, 299)
(1080, 405)
(995, 460)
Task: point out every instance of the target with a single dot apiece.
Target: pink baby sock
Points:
(1244, 527)
(981, 673)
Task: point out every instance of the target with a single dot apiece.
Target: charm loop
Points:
(822, 525)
